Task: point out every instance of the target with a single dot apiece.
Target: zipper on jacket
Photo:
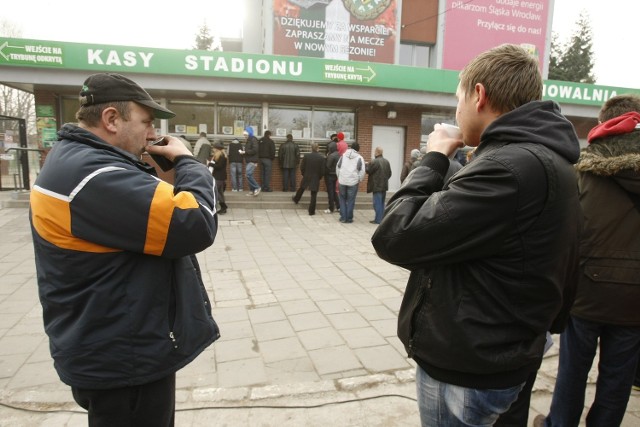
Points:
(173, 339)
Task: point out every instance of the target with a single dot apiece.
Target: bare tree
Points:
(15, 102)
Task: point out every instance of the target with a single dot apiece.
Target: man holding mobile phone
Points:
(123, 301)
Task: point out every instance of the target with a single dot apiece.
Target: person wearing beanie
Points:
(331, 179)
(605, 313)
(341, 145)
(250, 154)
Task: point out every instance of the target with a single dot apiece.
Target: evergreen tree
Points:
(203, 38)
(573, 62)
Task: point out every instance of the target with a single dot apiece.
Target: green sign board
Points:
(197, 63)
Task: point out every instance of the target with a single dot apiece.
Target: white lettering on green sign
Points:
(113, 57)
(576, 93)
(243, 65)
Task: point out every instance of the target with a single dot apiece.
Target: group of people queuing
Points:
(533, 237)
(343, 169)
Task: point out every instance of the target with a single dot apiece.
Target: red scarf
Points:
(626, 123)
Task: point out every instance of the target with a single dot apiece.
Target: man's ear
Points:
(481, 97)
(110, 117)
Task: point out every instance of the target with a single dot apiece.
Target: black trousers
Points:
(330, 182)
(152, 405)
(312, 203)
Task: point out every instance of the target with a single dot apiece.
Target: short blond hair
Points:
(510, 75)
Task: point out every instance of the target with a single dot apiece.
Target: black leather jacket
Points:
(493, 253)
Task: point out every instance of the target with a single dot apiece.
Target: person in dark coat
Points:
(379, 171)
(494, 251)
(266, 154)
(313, 169)
(605, 313)
(331, 178)
(218, 168)
(288, 155)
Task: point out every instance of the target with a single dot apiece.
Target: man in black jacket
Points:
(493, 252)
(313, 169)
(266, 154)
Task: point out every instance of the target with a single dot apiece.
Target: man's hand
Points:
(440, 141)
(170, 148)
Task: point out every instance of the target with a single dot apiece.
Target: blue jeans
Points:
(236, 175)
(265, 173)
(251, 168)
(447, 405)
(347, 201)
(378, 205)
(288, 179)
(619, 349)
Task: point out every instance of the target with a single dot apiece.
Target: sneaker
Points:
(234, 190)
(250, 193)
(327, 211)
(257, 191)
(239, 189)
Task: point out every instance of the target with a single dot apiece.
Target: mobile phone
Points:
(164, 163)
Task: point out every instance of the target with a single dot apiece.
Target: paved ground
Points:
(308, 317)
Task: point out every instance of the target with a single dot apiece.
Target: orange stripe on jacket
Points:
(160, 214)
(51, 219)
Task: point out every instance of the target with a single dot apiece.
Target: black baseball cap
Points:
(112, 87)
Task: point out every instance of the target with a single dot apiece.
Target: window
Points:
(191, 118)
(414, 55)
(233, 119)
(327, 122)
(287, 119)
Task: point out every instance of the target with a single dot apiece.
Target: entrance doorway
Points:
(392, 140)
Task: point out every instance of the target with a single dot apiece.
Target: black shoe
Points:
(222, 211)
(311, 213)
(293, 198)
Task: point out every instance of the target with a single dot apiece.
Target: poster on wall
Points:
(356, 30)
(474, 27)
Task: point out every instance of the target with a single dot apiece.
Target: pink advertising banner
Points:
(473, 27)
(357, 30)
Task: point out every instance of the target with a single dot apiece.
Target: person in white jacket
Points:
(350, 170)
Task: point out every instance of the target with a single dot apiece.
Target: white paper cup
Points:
(452, 130)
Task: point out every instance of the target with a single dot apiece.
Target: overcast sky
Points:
(152, 24)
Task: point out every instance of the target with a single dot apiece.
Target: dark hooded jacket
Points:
(493, 252)
(609, 184)
(251, 147)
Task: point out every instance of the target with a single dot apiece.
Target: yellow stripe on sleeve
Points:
(160, 214)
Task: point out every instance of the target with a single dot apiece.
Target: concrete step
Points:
(15, 199)
(282, 200)
(241, 200)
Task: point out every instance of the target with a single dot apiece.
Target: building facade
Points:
(310, 68)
